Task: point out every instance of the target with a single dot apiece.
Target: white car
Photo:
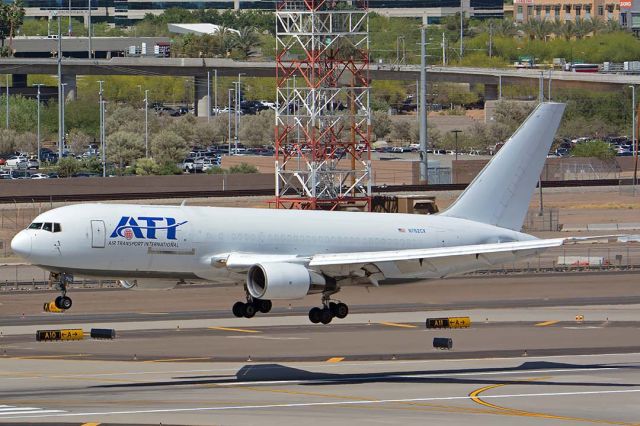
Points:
(17, 162)
(208, 163)
(39, 176)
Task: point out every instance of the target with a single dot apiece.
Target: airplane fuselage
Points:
(135, 241)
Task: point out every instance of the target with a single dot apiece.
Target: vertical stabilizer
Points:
(500, 194)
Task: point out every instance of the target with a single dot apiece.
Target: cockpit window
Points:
(35, 225)
(56, 227)
(47, 227)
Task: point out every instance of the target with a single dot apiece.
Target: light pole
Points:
(238, 101)
(633, 114)
(456, 133)
(461, 27)
(146, 123)
(7, 101)
(90, 54)
(422, 110)
(38, 126)
(102, 144)
(62, 113)
(229, 122)
(215, 90)
(208, 96)
(60, 94)
(70, 28)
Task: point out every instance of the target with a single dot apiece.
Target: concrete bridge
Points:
(492, 79)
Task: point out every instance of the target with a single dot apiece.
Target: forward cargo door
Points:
(98, 236)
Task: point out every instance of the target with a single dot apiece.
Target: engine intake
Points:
(282, 281)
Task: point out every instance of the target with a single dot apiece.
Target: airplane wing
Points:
(435, 262)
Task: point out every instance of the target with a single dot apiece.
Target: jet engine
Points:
(283, 281)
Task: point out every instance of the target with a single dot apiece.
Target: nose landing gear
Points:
(61, 281)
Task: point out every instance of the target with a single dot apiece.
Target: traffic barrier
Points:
(442, 343)
(51, 307)
(55, 335)
(103, 333)
(451, 322)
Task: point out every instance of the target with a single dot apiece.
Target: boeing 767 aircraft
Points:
(287, 254)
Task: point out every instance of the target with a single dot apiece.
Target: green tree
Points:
(243, 168)
(597, 149)
(247, 42)
(11, 19)
(147, 166)
(258, 129)
(8, 141)
(168, 147)
(67, 167)
(78, 141)
(124, 147)
(381, 124)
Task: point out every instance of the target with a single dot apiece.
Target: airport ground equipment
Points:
(443, 343)
(51, 307)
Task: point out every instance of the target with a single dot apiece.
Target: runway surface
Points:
(561, 349)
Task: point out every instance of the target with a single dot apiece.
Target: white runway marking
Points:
(325, 404)
(8, 411)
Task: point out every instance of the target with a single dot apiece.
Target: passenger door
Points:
(98, 236)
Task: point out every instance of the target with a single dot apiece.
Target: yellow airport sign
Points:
(450, 322)
(54, 335)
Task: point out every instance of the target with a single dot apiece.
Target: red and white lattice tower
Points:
(323, 117)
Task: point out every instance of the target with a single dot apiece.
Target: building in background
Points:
(566, 10)
(127, 12)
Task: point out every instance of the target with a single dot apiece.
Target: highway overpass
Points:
(198, 67)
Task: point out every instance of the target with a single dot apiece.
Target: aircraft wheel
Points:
(65, 303)
(238, 309)
(58, 302)
(264, 305)
(326, 316)
(250, 310)
(314, 315)
(341, 311)
(333, 307)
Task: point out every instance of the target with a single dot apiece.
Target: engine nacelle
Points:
(282, 281)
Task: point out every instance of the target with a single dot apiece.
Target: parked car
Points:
(39, 176)
(33, 164)
(17, 162)
(207, 163)
(189, 165)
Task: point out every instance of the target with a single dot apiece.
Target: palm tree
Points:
(529, 29)
(15, 15)
(556, 26)
(597, 25)
(582, 28)
(612, 26)
(506, 28)
(568, 30)
(542, 29)
(225, 41)
(247, 41)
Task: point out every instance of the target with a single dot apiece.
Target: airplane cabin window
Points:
(56, 227)
(35, 225)
(47, 226)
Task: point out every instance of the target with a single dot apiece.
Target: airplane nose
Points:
(21, 244)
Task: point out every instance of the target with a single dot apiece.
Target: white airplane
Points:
(287, 254)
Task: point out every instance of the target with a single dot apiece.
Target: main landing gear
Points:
(329, 310)
(251, 307)
(61, 281)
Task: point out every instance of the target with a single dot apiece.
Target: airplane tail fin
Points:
(501, 192)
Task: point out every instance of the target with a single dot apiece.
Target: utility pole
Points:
(491, 40)
(549, 91)
(461, 27)
(456, 133)
(229, 122)
(215, 90)
(422, 110)
(7, 101)
(38, 120)
(444, 51)
(60, 95)
(238, 102)
(90, 53)
(146, 123)
(541, 87)
(208, 96)
(62, 115)
(102, 143)
(70, 27)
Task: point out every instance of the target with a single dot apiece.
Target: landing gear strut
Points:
(61, 281)
(251, 307)
(329, 310)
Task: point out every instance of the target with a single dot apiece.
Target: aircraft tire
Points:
(333, 307)
(341, 310)
(325, 316)
(250, 310)
(238, 309)
(65, 303)
(264, 305)
(314, 315)
(58, 302)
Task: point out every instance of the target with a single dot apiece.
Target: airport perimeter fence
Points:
(628, 188)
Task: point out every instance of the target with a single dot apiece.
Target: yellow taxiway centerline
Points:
(546, 323)
(241, 330)
(395, 324)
